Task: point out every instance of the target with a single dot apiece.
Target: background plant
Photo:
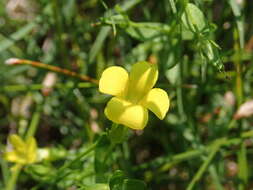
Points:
(203, 50)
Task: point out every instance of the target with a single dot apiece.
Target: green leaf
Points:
(134, 184)
(98, 186)
(186, 33)
(172, 74)
(146, 30)
(210, 51)
(96, 47)
(40, 171)
(116, 180)
(142, 31)
(193, 18)
(119, 182)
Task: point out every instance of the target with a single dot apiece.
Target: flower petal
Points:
(113, 81)
(17, 143)
(125, 113)
(157, 101)
(31, 150)
(13, 156)
(143, 77)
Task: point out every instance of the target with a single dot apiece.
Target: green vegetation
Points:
(49, 94)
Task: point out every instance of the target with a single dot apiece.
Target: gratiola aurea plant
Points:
(133, 94)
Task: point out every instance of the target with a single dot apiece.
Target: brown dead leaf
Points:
(245, 110)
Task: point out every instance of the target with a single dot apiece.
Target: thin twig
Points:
(15, 61)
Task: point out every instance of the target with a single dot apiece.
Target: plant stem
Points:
(242, 153)
(4, 170)
(180, 97)
(165, 163)
(62, 55)
(25, 87)
(13, 178)
(67, 165)
(78, 158)
(238, 79)
(206, 163)
(34, 123)
(14, 61)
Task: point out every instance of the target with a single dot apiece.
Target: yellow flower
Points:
(133, 94)
(23, 152)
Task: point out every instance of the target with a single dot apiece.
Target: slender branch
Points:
(15, 61)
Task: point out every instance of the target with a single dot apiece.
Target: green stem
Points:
(34, 123)
(77, 158)
(215, 177)
(117, 135)
(180, 97)
(13, 178)
(25, 87)
(243, 166)
(180, 101)
(237, 62)
(242, 153)
(67, 165)
(206, 163)
(5, 170)
(59, 29)
(165, 163)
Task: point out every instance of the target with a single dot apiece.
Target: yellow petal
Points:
(114, 81)
(143, 77)
(17, 143)
(13, 156)
(125, 113)
(157, 101)
(31, 150)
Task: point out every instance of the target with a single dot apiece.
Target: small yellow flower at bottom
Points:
(22, 152)
(134, 94)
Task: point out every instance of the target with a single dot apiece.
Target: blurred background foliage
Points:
(203, 50)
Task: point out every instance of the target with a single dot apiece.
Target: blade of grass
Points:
(215, 177)
(173, 6)
(243, 166)
(21, 33)
(239, 20)
(99, 42)
(215, 148)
